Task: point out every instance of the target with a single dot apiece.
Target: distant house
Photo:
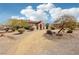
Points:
(39, 25)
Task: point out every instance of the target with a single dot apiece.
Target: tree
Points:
(15, 23)
(66, 21)
(47, 25)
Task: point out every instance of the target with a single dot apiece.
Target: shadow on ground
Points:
(52, 37)
(17, 33)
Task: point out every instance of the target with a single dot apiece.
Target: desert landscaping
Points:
(39, 29)
(37, 41)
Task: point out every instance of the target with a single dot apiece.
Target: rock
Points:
(59, 34)
(49, 32)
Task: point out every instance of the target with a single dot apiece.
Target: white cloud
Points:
(46, 7)
(38, 14)
(43, 11)
(17, 17)
(28, 11)
(57, 12)
(71, 11)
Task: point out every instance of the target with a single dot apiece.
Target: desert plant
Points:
(6, 29)
(27, 27)
(69, 31)
(21, 31)
(49, 32)
(66, 21)
(47, 25)
(13, 29)
(21, 23)
(52, 28)
(31, 28)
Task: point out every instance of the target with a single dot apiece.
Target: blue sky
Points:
(11, 9)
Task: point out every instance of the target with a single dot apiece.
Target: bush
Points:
(17, 27)
(13, 29)
(27, 27)
(72, 28)
(52, 28)
(6, 29)
(47, 25)
(31, 28)
(49, 32)
(69, 31)
(21, 30)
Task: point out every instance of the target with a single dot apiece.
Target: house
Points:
(39, 25)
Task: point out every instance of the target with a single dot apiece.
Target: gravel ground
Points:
(9, 40)
(37, 43)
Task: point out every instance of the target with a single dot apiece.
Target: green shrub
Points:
(27, 27)
(47, 25)
(17, 27)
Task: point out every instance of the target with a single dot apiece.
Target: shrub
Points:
(67, 21)
(13, 29)
(21, 30)
(6, 29)
(47, 25)
(31, 28)
(17, 27)
(72, 28)
(69, 31)
(27, 27)
(49, 32)
(52, 28)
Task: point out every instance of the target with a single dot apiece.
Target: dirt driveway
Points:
(37, 43)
